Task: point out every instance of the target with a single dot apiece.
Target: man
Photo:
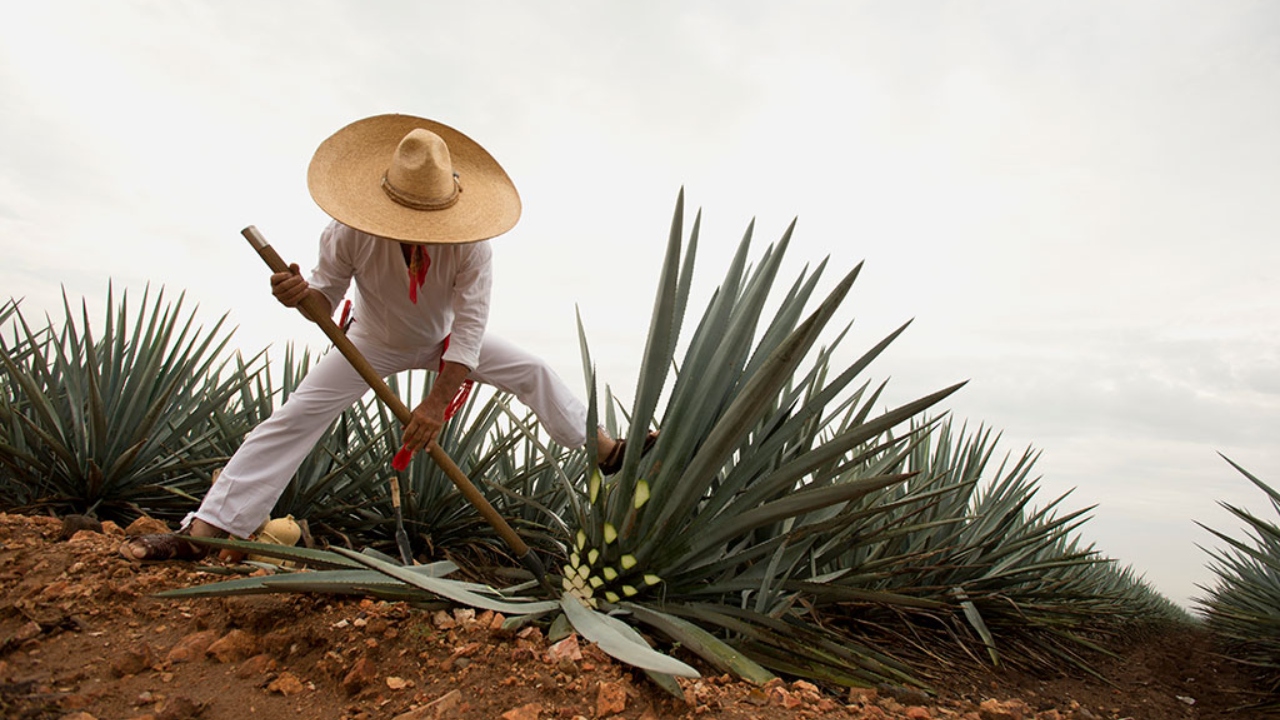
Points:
(414, 204)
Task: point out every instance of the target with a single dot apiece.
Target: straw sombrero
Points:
(414, 180)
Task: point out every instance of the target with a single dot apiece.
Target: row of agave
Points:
(781, 524)
(1243, 605)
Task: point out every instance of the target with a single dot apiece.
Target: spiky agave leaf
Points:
(963, 535)
(325, 582)
(1243, 604)
(349, 573)
(742, 467)
(134, 417)
(597, 628)
(465, 593)
(718, 653)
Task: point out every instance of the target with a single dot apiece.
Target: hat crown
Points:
(421, 172)
(412, 180)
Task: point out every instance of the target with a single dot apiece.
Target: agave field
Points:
(785, 523)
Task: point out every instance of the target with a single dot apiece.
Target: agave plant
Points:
(742, 484)
(14, 448)
(1243, 606)
(703, 538)
(135, 418)
(958, 552)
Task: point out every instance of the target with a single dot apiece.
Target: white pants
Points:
(240, 501)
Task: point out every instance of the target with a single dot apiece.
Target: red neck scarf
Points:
(419, 262)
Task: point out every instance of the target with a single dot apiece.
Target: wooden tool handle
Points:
(395, 492)
(315, 313)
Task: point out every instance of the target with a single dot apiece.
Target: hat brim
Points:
(345, 180)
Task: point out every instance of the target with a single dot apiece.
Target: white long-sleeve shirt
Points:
(453, 302)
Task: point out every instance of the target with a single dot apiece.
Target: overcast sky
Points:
(1076, 201)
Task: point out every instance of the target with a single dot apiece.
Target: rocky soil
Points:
(82, 638)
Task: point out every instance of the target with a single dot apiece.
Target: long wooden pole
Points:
(316, 314)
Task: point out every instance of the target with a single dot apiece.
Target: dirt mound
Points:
(82, 637)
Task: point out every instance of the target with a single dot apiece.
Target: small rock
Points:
(255, 666)
(1007, 710)
(566, 649)
(611, 699)
(362, 675)
(192, 647)
(443, 620)
(233, 647)
(180, 707)
(459, 656)
(287, 684)
(916, 712)
(54, 590)
(524, 712)
(441, 707)
(279, 643)
(146, 526)
(78, 716)
(111, 529)
(804, 686)
(787, 698)
(132, 661)
(28, 631)
(398, 683)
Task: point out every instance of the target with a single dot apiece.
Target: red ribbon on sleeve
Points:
(463, 390)
(402, 458)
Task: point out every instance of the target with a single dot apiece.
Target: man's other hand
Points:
(289, 288)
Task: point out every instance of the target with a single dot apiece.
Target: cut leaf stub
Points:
(587, 579)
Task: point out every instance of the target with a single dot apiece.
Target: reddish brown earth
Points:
(81, 637)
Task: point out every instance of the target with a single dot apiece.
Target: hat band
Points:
(418, 202)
